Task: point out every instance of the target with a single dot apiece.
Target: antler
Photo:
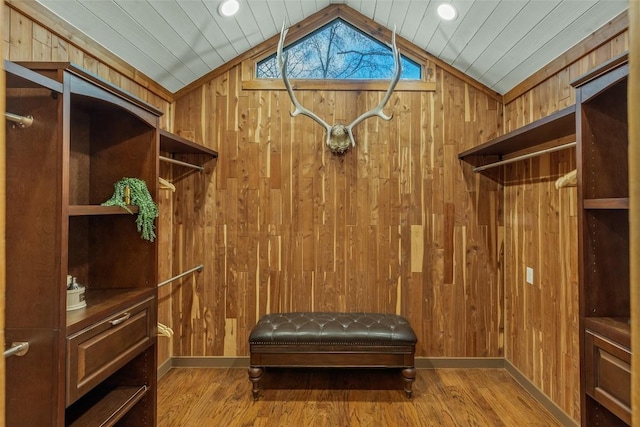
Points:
(339, 136)
(377, 111)
(282, 65)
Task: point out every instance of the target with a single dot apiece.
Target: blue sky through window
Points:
(338, 51)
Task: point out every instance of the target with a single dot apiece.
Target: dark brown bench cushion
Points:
(333, 328)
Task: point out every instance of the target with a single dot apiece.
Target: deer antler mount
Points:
(339, 136)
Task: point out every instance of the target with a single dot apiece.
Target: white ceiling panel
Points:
(185, 29)
(427, 27)
(413, 20)
(308, 8)
(210, 29)
(579, 21)
(513, 32)
(365, 7)
(165, 32)
(397, 15)
(487, 33)
(473, 20)
(446, 30)
(294, 11)
(262, 15)
(498, 42)
(279, 14)
(382, 12)
(537, 36)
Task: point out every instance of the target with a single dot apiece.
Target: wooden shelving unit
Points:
(613, 203)
(558, 126)
(603, 197)
(176, 144)
(110, 408)
(80, 210)
(102, 303)
(94, 365)
(617, 328)
(598, 121)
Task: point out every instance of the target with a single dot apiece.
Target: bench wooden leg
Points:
(255, 375)
(409, 376)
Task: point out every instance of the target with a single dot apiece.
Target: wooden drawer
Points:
(608, 374)
(101, 349)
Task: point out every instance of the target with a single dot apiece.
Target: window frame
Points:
(352, 28)
(250, 81)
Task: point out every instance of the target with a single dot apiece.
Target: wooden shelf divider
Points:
(80, 210)
(558, 125)
(609, 203)
(112, 407)
(176, 144)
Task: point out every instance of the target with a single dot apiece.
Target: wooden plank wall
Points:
(397, 224)
(540, 228)
(27, 40)
(2, 225)
(634, 200)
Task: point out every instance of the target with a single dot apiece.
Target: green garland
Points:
(140, 197)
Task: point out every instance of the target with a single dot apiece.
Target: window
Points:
(338, 51)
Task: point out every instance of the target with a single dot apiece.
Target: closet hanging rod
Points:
(178, 162)
(22, 121)
(17, 349)
(196, 268)
(525, 156)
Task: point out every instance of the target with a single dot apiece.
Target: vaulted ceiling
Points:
(497, 42)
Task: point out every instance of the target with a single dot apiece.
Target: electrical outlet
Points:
(530, 275)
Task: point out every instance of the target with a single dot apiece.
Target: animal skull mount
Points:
(339, 136)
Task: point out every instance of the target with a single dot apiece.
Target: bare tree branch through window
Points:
(338, 51)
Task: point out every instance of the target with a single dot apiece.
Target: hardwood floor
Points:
(340, 398)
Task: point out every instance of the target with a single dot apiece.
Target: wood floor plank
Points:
(346, 398)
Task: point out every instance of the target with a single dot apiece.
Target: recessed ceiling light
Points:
(447, 12)
(228, 7)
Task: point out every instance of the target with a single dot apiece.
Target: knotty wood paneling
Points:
(3, 199)
(397, 224)
(540, 229)
(634, 199)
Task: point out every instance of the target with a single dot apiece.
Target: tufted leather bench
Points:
(324, 339)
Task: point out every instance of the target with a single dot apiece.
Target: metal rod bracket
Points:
(19, 348)
(22, 121)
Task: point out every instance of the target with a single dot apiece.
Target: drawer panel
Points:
(101, 349)
(608, 368)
